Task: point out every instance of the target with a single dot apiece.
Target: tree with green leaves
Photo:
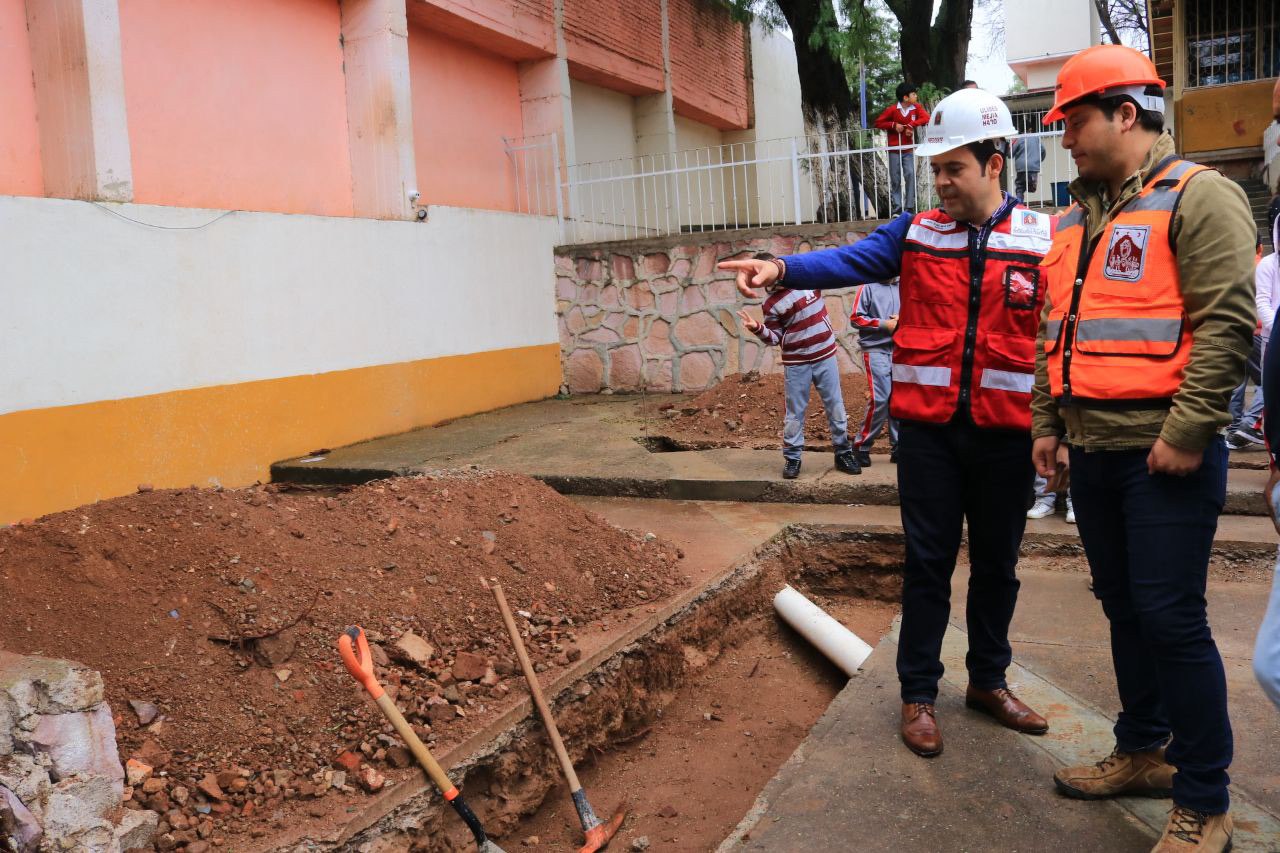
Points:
(834, 39)
(831, 35)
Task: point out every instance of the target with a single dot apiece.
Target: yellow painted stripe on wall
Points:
(58, 458)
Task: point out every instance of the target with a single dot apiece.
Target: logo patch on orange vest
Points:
(1127, 252)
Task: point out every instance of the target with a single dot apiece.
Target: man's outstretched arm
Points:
(876, 257)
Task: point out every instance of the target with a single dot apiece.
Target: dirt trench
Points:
(625, 699)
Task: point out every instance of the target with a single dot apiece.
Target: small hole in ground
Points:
(658, 444)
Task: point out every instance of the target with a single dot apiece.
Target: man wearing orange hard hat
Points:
(1147, 324)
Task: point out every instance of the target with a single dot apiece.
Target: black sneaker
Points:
(848, 463)
(1237, 442)
(1253, 435)
(864, 458)
(791, 469)
(893, 455)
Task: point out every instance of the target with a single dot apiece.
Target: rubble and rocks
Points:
(746, 411)
(411, 648)
(62, 786)
(150, 590)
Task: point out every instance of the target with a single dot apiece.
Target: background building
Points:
(240, 230)
(1219, 59)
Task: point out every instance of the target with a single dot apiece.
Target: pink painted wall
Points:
(19, 133)
(237, 104)
(464, 101)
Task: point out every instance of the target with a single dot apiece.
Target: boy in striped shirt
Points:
(797, 321)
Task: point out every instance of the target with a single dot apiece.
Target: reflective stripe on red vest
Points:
(1117, 333)
(942, 304)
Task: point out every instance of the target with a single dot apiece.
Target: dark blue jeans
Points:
(946, 474)
(1148, 539)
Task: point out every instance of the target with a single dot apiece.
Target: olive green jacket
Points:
(1215, 236)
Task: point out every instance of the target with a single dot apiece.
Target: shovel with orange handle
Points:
(354, 648)
(598, 833)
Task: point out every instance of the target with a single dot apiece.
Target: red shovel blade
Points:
(599, 836)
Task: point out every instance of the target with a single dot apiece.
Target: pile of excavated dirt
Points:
(747, 411)
(212, 616)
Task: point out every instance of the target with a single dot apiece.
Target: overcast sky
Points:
(986, 64)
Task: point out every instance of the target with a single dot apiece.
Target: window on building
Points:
(1232, 41)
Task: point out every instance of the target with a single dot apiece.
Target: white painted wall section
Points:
(1040, 35)
(695, 134)
(122, 309)
(775, 85)
(604, 126)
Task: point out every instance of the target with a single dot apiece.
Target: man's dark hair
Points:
(969, 84)
(1147, 119)
(905, 89)
(984, 150)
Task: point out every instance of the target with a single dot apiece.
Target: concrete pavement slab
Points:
(596, 446)
(852, 785)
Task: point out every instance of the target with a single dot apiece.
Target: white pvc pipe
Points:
(845, 649)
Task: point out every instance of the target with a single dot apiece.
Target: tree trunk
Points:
(1104, 15)
(823, 85)
(829, 114)
(934, 53)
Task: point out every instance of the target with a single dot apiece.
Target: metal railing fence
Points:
(829, 178)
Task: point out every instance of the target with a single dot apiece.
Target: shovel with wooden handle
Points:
(354, 648)
(598, 833)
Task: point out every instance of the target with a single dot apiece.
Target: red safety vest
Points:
(967, 331)
(1117, 334)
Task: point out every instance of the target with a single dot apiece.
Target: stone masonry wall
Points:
(61, 784)
(656, 315)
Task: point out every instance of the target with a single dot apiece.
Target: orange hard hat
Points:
(1106, 70)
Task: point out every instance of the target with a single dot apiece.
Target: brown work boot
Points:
(1008, 709)
(1189, 831)
(1133, 774)
(920, 730)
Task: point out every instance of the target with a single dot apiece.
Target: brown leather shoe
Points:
(1189, 831)
(1007, 709)
(920, 730)
(1132, 774)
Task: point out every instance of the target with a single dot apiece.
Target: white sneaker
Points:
(1071, 512)
(1042, 507)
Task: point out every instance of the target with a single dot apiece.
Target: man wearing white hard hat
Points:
(963, 369)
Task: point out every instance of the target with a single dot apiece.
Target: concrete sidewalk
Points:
(546, 440)
(852, 785)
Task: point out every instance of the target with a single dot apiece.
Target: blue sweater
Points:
(876, 257)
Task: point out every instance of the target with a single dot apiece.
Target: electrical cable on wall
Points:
(119, 215)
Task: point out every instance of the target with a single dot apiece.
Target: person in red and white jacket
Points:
(797, 321)
(901, 120)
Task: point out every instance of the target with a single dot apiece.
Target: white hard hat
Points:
(969, 115)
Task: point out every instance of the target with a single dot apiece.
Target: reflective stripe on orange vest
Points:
(1117, 330)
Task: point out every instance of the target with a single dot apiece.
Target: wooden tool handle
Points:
(417, 747)
(536, 691)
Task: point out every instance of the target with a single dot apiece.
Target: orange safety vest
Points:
(1117, 334)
